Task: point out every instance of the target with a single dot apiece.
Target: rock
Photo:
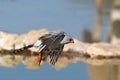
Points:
(29, 38)
(103, 49)
(94, 50)
(7, 40)
(77, 46)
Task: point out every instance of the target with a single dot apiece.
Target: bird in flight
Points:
(51, 44)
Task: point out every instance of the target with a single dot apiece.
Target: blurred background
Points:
(76, 17)
(85, 20)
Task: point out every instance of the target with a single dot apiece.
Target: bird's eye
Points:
(70, 39)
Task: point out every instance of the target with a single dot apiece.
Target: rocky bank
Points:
(100, 50)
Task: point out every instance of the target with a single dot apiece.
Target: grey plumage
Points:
(53, 44)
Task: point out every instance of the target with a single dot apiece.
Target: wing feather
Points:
(51, 43)
(52, 39)
(55, 54)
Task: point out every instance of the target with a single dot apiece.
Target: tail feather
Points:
(23, 48)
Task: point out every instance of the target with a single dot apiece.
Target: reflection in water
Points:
(30, 61)
(104, 72)
(98, 69)
(106, 69)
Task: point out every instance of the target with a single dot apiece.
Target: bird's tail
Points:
(23, 48)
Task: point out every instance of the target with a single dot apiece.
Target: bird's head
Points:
(67, 39)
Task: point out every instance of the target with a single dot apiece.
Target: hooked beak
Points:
(72, 41)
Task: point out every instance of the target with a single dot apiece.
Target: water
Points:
(21, 16)
(66, 68)
(72, 16)
(45, 73)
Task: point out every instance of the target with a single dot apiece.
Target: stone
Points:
(94, 50)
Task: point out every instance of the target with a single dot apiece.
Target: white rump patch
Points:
(38, 43)
(42, 48)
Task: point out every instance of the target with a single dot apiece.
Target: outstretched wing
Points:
(52, 37)
(55, 53)
(49, 41)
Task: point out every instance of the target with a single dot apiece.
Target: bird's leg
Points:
(39, 58)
